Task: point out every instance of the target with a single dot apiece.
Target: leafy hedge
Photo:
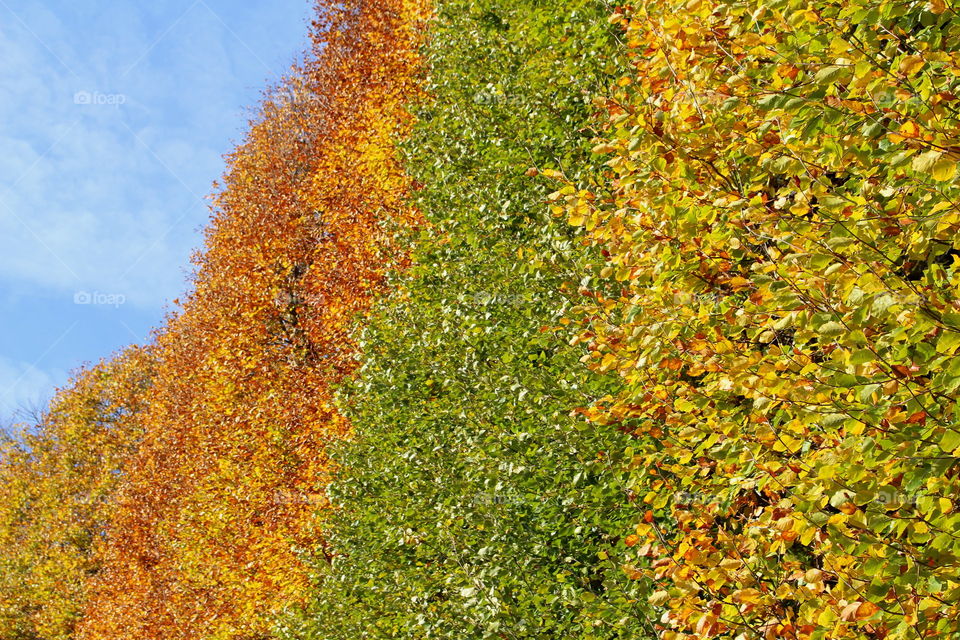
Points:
(471, 504)
(779, 209)
(761, 273)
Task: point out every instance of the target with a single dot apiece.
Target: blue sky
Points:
(114, 117)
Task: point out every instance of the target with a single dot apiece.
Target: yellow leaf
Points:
(925, 162)
(608, 361)
(910, 65)
(866, 609)
(837, 519)
(909, 129)
(940, 167)
(747, 596)
(944, 169)
(826, 617)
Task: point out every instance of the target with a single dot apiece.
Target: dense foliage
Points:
(531, 320)
(218, 501)
(57, 484)
(471, 503)
(781, 297)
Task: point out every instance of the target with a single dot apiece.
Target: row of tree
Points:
(540, 320)
(171, 492)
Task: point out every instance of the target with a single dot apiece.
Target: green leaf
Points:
(831, 329)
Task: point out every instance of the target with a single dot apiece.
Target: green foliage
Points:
(471, 503)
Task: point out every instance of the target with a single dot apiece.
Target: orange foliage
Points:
(219, 501)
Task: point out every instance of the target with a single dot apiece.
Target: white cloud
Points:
(108, 194)
(107, 197)
(23, 388)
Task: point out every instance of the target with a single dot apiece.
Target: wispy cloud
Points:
(114, 117)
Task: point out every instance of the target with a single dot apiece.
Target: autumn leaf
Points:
(910, 65)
